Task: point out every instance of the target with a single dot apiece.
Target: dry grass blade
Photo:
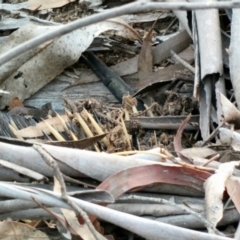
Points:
(62, 122)
(126, 134)
(86, 129)
(97, 127)
(14, 132)
(55, 133)
(13, 125)
(66, 128)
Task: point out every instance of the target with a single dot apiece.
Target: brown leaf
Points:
(82, 230)
(98, 227)
(177, 43)
(80, 144)
(143, 176)
(178, 136)
(145, 59)
(163, 76)
(15, 102)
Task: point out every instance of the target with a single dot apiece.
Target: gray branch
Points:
(135, 7)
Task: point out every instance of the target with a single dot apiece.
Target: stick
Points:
(135, 7)
(188, 210)
(184, 63)
(57, 173)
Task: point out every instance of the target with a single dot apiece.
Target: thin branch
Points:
(183, 62)
(214, 158)
(135, 7)
(212, 135)
(57, 173)
(186, 209)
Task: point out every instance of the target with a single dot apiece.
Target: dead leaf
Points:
(80, 144)
(38, 129)
(46, 4)
(143, 176)
(214, 188)
(59, 54)
(178, 136)
(233, 189)
(161, 77)
(98, 227)
(82, 230)
(197, 152)
(177, 43)
(145, 59)
(16, 230)
(17, 37)
(231, 114)
(59, 217)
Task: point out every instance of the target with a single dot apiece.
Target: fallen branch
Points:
(143, 227)
(57, 173)
(134, 7)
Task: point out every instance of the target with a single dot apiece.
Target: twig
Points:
(184, 63)
(147, 110)
(105, 116)
(57, 173)
(184, 164)
(230, 199)
(134, 7)
(214, 158)
(70, 105)
(188, 210)
(169, 26)
(141, 152)
(212, 135)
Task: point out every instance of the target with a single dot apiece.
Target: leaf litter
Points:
(106, 151)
